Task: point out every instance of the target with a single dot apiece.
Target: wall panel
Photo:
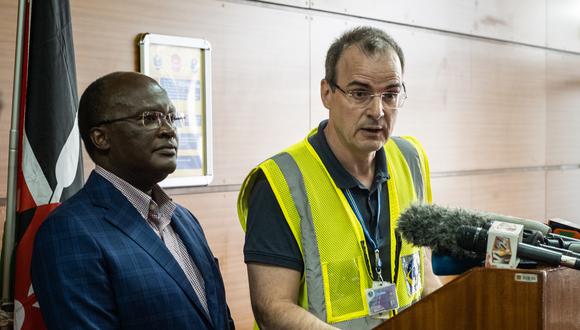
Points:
(518, 193)
(563, 108)
(296, 3)
(563, 195)
(521, 21)
(563, 25)
(475, 104)
(454, 15)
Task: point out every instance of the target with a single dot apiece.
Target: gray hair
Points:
(368, 39)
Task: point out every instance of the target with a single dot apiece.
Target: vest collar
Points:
(342, 178)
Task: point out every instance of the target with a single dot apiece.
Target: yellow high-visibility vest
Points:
(329, 235)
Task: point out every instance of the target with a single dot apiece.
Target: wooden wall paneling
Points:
(522, 21)
(261, 94)
(260, 68)
(439, 89)
(562, 195)
(447, 15)
(8, 16)
(519, 194)
(563, 108)
(563, 24)
(217, 214)
(475, 104)
(452, 15)
(374, 9)
(295, 3)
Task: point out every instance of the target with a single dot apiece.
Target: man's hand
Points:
(274, 293)
(432, 281)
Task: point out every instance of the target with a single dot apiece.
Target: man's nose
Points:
(376, 108)
(166, 128)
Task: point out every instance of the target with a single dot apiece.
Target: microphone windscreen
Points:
(436, 227)
(444, 265)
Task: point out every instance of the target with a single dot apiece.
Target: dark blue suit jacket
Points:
(97, 264)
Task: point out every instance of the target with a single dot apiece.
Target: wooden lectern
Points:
(503, 299)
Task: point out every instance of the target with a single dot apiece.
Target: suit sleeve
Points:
(69, 277)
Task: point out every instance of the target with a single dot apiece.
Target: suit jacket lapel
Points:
(125, 217)
(200, 255)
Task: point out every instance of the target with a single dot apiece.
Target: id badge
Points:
(381, 298)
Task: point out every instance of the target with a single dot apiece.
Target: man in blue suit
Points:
(120, 253)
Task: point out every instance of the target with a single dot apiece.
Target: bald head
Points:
(107, 95)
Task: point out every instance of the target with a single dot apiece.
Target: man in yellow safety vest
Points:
(320, 217)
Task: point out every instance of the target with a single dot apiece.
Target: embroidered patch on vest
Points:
(412, 271)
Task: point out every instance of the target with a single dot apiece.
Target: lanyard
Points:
(374, 242)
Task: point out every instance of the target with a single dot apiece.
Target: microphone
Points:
(475, 239)
(574, 247)
(564, 251)
(564, 242)
(562, 237)
(565, 227)
(559, 243)
(444, 265)
(436, 226)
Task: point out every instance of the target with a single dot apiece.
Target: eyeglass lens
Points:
(153, 119)
(389, 100)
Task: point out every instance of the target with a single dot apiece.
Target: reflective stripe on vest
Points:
(413, 161)
(312, 270)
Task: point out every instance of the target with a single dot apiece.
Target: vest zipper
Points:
(398, 245)
(367, 260)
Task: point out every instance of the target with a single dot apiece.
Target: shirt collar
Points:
(342, 178)
(139, 199)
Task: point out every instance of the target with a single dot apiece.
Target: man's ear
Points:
(325, 93)
(100, 138)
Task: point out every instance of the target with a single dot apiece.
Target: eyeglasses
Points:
(362, 97)
(149, 119)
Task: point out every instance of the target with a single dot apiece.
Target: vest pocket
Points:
(345, 282)
(410, 273)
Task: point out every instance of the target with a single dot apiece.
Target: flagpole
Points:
(9, 226)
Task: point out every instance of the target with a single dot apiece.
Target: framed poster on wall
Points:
(182, 66)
